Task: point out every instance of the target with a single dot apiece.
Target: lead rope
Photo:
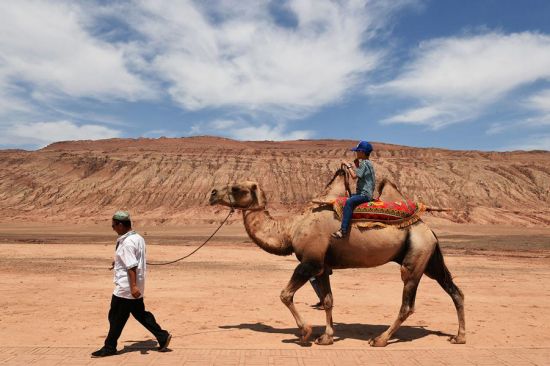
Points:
(203, 244)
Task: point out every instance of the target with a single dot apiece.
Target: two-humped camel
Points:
(307, 235)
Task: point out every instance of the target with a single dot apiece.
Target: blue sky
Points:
(452, 74)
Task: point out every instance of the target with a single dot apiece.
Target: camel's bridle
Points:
(346, 179)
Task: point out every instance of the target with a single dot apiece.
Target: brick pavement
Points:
(460, 355)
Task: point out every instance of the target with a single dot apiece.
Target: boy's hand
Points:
(356, 162)
(135, 292)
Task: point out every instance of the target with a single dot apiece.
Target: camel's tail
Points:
(437, 270)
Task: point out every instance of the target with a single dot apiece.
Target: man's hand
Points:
(134, 289)
(112, 265)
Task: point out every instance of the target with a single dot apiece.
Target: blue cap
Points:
(363, 146)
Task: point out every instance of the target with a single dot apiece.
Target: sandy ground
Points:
(55, 288)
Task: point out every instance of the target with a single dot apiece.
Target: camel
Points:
(415, 248)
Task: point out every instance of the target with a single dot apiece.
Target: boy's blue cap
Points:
(363, 146)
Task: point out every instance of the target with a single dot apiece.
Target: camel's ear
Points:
(260, 196)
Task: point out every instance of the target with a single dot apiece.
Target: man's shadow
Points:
(142, 346)
(362, 332)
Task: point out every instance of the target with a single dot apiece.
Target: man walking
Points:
(129, 278)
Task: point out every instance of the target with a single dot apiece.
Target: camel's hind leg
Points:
(407, 306)
(437, 270)
(302, 273)
(418, 251)
(326, 294)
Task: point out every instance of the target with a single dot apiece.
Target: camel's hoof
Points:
(458, 339)
(324, 340)
(306, 333)
(378, 342)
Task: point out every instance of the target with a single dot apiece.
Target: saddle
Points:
(381, 213)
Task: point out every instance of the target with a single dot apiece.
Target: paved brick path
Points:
(303, 357)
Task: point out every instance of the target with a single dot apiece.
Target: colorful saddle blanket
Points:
(382, 213)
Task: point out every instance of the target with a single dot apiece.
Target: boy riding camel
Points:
(364, 173)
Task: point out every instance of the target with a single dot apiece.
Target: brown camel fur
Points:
(307, 235)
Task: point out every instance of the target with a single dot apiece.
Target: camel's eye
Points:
(235, 189)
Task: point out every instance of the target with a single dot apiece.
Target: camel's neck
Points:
(269, 234)
(336, 189)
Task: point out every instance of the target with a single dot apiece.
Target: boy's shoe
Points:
(163, 346)
(338, 234)
(104, 352)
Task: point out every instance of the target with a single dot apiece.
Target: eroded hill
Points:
(169, 180)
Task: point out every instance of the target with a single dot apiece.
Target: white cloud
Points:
(499, 127)
(161, 133)
(539, 101)
(535, 142)
(46, 46)
(244, 130)
(218, 56)
(266, 132)
(223, 124)
(40, 134)
(455, 79)
(10, 104)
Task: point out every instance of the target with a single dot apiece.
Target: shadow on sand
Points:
(142, 346)
(362, 332)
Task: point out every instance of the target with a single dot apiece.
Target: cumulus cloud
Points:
(539, 101)
(39, 134)
(242, 56)
(267, 132)
(281, 60)
(456, 79)
(46, 47)
(245, 130)
(534, 142)
(538, 104)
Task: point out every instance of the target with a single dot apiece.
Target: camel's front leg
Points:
(301, 274)
(326, 294)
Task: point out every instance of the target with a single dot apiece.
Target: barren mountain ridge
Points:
(168, 180)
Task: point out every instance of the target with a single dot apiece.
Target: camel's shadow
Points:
(362, 332)
(142, 346)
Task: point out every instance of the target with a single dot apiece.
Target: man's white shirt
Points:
(130, 253)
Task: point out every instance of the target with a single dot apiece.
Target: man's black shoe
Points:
(104, 352)
(163, 346)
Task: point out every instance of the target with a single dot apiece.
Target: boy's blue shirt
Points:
(365, 178)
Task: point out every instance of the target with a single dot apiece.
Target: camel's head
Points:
(338, 185)
(243, 195)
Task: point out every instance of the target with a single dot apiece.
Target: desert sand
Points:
(226, 296)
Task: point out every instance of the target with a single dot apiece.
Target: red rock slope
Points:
(169, 180)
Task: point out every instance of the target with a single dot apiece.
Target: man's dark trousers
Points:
(120, 312)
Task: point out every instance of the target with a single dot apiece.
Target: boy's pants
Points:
(352, 202)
